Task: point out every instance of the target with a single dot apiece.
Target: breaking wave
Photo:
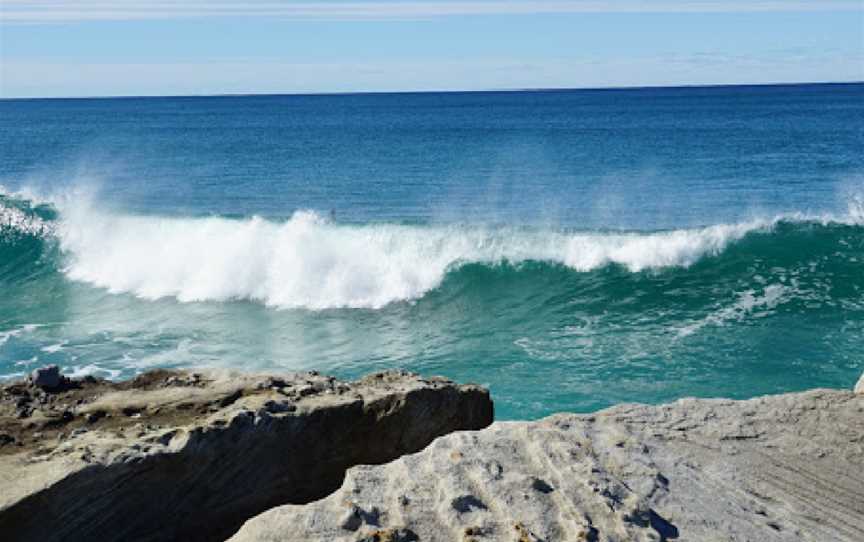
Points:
(310, 262)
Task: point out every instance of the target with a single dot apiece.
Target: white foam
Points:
(6, 335)
(26, 362)
(79, 371)
(749, 304)
(54, 348)
(311, 263)
(17, 220)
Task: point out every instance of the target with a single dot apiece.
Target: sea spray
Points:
(309, 262)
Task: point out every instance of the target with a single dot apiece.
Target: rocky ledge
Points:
(176, 455)
(779, 468)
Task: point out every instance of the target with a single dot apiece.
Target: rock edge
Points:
(776, 468)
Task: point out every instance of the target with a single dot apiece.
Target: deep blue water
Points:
(569, 249)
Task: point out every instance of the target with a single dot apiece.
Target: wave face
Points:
(26, 237)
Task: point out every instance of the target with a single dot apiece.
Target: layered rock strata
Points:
(176, 455)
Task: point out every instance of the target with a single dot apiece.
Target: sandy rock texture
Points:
(175, 455)
(778, 468)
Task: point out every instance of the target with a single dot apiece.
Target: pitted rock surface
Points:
(778, 468)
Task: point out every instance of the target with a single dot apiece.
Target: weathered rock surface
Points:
(780, 468)
(174, 455)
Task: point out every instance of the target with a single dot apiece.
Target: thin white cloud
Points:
(53, 11)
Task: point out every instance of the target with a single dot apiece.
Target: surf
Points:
(308, 261)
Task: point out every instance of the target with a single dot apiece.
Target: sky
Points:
(51, 48)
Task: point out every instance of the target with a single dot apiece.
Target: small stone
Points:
(47, 378)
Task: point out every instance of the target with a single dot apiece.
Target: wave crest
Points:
(310, 262)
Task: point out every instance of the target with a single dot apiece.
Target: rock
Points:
(47, 378)
(777, 468)
(859, 387)
(173, 455)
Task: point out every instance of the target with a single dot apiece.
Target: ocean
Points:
(570, 250)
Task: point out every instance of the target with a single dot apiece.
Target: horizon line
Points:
(434, 91)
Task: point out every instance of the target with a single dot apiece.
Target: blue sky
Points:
(132, 47)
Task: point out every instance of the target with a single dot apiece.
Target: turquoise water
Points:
(570, 249)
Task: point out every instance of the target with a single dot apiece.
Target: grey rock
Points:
(179, 456)
(778, 468)
(47, 378)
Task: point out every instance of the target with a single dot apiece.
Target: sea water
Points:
(568, 249)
